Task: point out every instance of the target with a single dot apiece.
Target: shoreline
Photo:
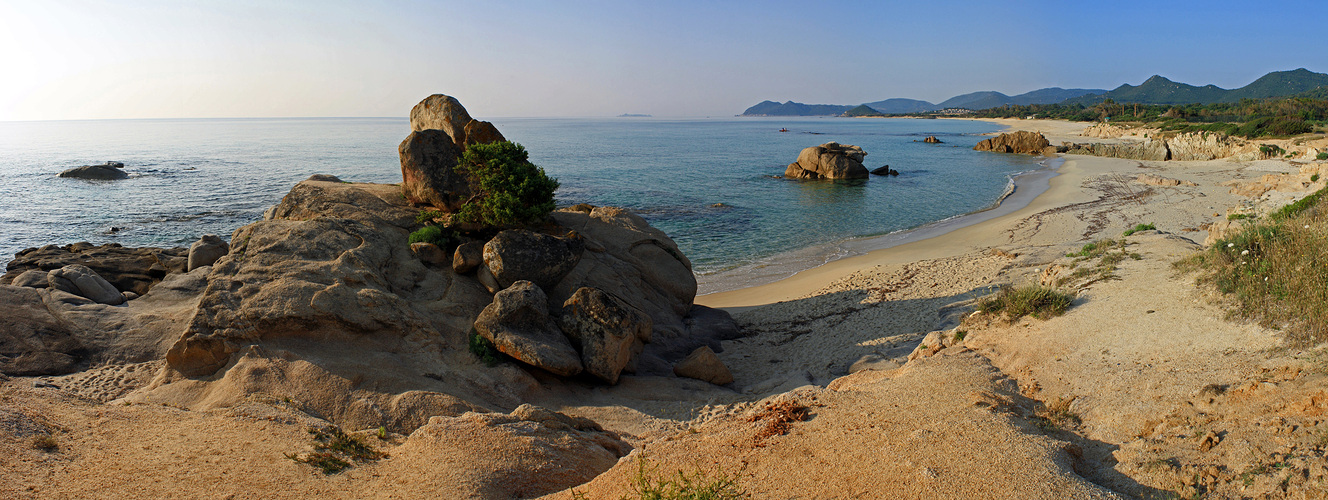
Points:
(1022, 189)
(944, 238)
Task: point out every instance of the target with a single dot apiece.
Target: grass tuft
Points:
(45, 442)
(1017, 302)
(334, 450)
(697, 485)
(484, 349)
(1057, 415)
(1140, 227)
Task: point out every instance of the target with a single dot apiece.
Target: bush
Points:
(1322, 156)
(1017, 302)
(484, 349)
(1140, 227)
(1274, 270)
(507, 189)
(430, 234)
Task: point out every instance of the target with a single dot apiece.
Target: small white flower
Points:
(1244, 252)
(1229, 245)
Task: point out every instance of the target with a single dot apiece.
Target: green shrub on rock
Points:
(429, 234)
(508, 189)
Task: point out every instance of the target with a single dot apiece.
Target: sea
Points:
(712, 184)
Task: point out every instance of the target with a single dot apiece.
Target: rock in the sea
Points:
(429, 174)
(931, 139)
(884, 170)
(324, 178)
(32, 340)
(1021, 142)
(429, 253)
(517, 254)
(604, 329)
(206, 251)
(703, 364)
(129, 269)
(84, 282)
(468, 256)
(109, 171)
(518, 324)
(828, 161)
(442, 112)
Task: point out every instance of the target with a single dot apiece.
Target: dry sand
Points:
(1169, 398)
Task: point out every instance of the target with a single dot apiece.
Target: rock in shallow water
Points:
(110, 171)
(828, 161)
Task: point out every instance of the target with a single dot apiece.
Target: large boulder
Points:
(206, 251)
(442, 112)
(1021, 142)
(429, 174)
(828, 161)
(605, 329)
(32, 340)
(638, 264)
(112, 170)
(84, 282)
(517, 254)
(129, 269)
(518, 324)
(468, 256)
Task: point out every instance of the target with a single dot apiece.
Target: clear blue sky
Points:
(241, 58)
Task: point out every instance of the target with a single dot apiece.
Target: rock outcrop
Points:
(111, 170)
(445, 113)
(885, 170)
(1205, 146)
(1150, 150)
(468, 256)
(931, 139)
(1021, 142)
(607, 331)
(828, 161)
(84, 282)
(519, 325)
(32, 340)
(440, 131)
(206, 251)
(128, 269)
(517, 254)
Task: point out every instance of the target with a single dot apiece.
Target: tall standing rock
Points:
(828, 161)
(440, 131)
(605, 329)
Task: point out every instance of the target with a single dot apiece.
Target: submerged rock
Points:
(111, 170)
(828, 161)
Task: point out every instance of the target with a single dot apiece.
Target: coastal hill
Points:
(1159, 90)
(1156, 90)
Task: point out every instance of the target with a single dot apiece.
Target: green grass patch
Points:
(334, 451)
(1321, 156)
(1140, 227)
(430, 234)
(1276, 271)
(1239, 216)
(1017, 302)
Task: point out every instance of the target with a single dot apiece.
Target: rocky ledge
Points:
(1021, 142)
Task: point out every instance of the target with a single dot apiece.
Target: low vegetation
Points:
(484, 349)
(335, 451)
(1056, 415)
(430, 234)
(1107, 252)
(1017, 302)
(507, 189)
(1140, 227)
(1276, 270)
(647, 484)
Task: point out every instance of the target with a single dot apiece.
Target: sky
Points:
(62, 60)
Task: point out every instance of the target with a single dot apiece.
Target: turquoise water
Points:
(708, 183)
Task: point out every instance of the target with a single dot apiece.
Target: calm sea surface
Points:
(706, 182)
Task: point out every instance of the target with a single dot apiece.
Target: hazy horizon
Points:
(72, 60)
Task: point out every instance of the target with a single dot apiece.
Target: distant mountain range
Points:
(1156, 90)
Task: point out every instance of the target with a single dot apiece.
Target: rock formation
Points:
(111, 170)
(1157, 180)
(518, 254)
(519, 325)
(84, 282)
(931, 139)
(206, 251)
(440, 131)
(828, 161)
(885, 170)
(1021, 142)
(128, 269)
(33, 341)
(607, 331)
(703, 364)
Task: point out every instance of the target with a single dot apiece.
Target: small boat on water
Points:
(783, 130)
